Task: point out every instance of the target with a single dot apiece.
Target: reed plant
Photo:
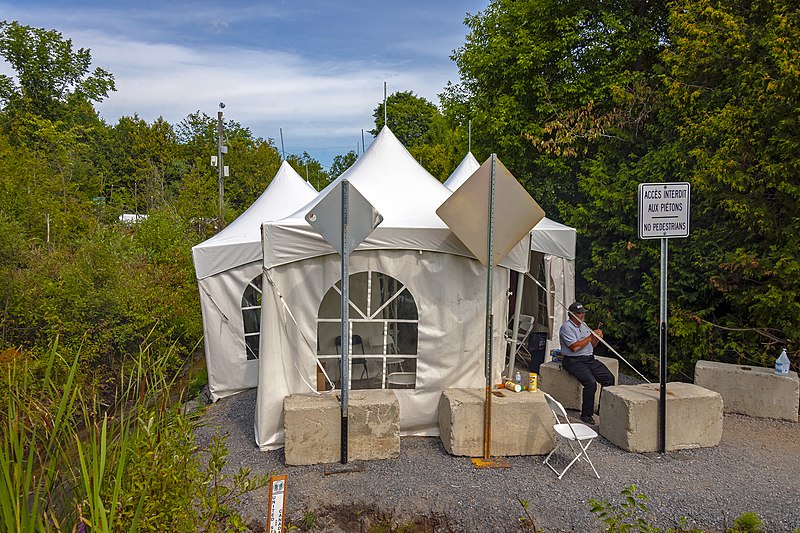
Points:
(69, 463)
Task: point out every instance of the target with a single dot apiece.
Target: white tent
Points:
(464, 170)
(417, 299)
(552, 263)
(228, 270)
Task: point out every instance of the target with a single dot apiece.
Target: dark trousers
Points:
(589, 371)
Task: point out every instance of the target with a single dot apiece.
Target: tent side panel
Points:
(229, 371)
(449, 292)
(560, 275)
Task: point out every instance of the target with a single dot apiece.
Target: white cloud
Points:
(319, 103)
(171, 67)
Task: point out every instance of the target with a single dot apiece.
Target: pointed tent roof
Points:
(240, 242)
(402, 191)
(395, 184)
(464, 170)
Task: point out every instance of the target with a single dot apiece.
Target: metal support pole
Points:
(512, 360)
(487, 433)
(662, 402)
(344, 365)
(221, 170)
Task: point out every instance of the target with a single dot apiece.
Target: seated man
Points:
(577, 349)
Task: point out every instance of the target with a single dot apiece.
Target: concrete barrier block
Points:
(565, 388)
(629, 417)
(751, 390)
(522, 423)
(312, 426)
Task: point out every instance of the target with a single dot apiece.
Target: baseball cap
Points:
(576, 307)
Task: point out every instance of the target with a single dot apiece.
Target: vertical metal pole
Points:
(662, 402)
(220, 169)
(344, 365)
(512, 360)
(487, 427)
(385, 114)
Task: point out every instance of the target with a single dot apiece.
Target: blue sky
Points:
(313, 68)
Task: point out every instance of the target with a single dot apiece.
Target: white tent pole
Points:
(512, 361)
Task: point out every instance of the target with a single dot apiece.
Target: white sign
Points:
(277, 503)
(664, 210)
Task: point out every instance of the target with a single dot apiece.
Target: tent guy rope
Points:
(559, 302)
(310, 346)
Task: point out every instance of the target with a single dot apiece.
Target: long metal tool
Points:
(559, 302)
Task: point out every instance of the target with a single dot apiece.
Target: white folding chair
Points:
(575, 435)
(526, 323)
(393, 364)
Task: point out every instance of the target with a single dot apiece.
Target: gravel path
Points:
(754, 469)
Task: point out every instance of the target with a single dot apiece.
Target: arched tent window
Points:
(384, 323)
(251, 317)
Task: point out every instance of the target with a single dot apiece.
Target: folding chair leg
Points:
(578, 457)
(583, 455)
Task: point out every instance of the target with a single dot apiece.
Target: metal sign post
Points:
(487, 426)
(490, 235)
(344, 362)
(344, 218)
(663, 214)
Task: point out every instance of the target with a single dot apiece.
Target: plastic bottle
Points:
(518, 378)
(782, 363)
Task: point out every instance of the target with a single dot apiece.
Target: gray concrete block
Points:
(312, 427)
(522, 423)
(556, 382)
(629, 417)
(751, 390)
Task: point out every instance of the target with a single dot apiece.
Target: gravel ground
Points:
(754, 469)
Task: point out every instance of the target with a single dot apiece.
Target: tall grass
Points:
(67, 464)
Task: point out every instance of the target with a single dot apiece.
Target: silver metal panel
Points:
(326, 218)
(466, 212)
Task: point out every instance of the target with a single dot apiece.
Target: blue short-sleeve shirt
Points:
(569, 333)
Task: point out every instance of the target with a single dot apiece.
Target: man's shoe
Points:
(588, 419)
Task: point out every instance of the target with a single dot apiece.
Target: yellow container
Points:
(534, 378)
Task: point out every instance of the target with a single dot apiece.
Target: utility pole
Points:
(221, 149)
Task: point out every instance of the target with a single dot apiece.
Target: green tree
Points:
(528, 68)
(423, 130)
(342, 163)
(311, 169)
(733, 76)
(50, 75)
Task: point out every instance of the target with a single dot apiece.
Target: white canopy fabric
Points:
(226, 265)
(240, 242)
(463, 171)
(413, 246)
(402, 191)
(553, 238)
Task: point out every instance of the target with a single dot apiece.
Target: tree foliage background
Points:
(68, 268)
(581, 100)
(584, 100)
